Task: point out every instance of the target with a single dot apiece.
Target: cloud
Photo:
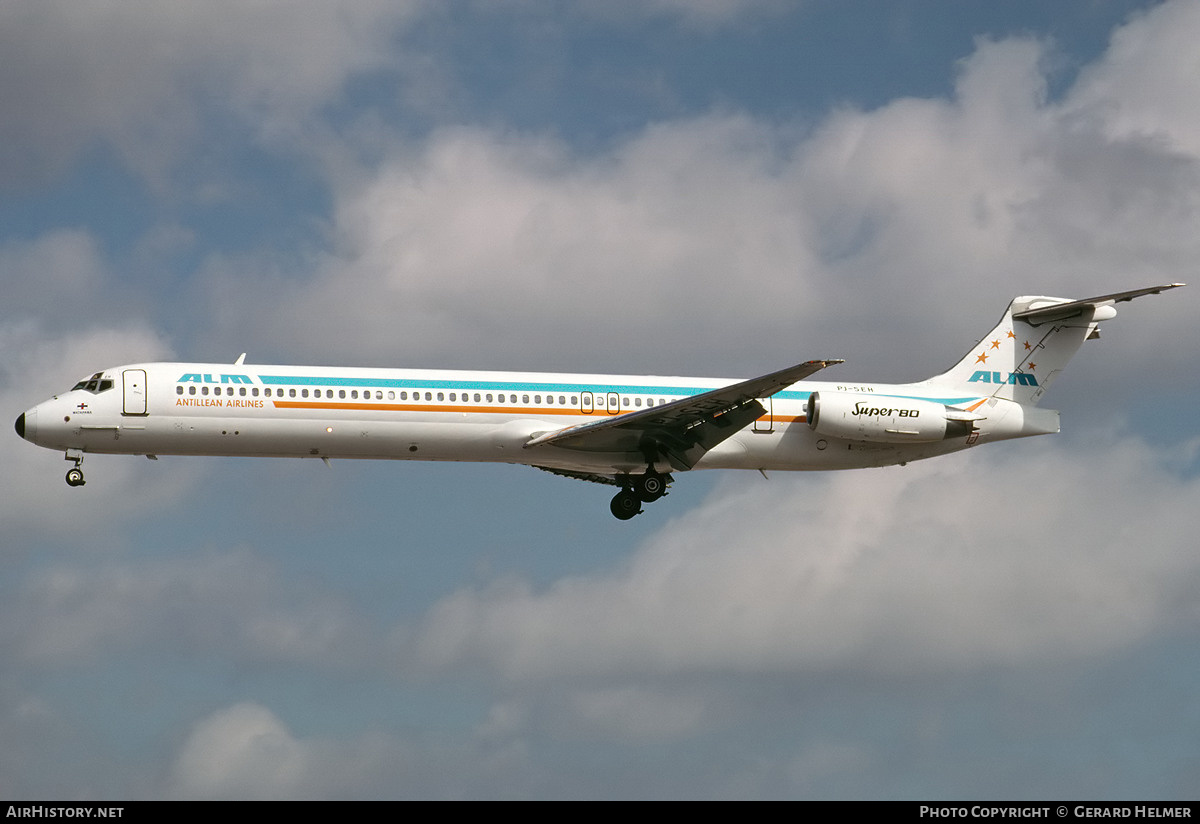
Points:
(1142, 91)
(637, 713)
(142, 77)
(69, 281)
(148, 82)
(229, 603)
(644, 251)
(968, 562)
(246, 751)
(704, 15)
(447, 249)
(61, 271)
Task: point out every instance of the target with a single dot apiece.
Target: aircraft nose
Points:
(27, 425)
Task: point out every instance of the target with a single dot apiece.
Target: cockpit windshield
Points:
(95, 384)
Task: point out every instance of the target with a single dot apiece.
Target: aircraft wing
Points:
(683, 430)
(1070, 309)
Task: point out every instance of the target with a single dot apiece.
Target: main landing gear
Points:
(638, 489)
(75, 473)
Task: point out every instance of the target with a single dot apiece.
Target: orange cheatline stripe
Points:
(400, 407)
(524, 410)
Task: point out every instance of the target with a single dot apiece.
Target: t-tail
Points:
(1020, 358)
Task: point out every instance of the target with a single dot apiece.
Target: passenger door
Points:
(134, 381)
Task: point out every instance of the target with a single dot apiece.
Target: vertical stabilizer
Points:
(1017, 361)
(1037, 335)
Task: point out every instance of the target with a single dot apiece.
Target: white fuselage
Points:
(334, 412)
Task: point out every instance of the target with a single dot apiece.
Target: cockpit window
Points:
(95, 384)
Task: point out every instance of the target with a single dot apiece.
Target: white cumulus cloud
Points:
(921, 218)
(994, 558)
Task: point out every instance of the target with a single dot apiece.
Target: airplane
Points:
(632, 432)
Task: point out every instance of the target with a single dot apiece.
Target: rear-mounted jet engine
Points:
(884, 419)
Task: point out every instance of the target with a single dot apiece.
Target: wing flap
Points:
(683, 430)
(591, 477)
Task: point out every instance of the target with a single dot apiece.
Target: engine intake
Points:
(886, 419)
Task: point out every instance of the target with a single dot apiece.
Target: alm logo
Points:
(207, 377)
(1018, 378)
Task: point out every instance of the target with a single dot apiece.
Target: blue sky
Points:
(696, 188)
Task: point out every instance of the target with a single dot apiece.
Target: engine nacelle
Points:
(883, 419)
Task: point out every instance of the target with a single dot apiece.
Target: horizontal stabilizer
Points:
(1074, 308)
(1028, 349)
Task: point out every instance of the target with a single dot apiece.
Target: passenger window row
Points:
(391, 395)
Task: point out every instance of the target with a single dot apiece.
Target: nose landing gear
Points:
(75, 473)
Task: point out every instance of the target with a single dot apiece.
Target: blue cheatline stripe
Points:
(503, 386)
(946, 401)
(496, 386)
(803, 396)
